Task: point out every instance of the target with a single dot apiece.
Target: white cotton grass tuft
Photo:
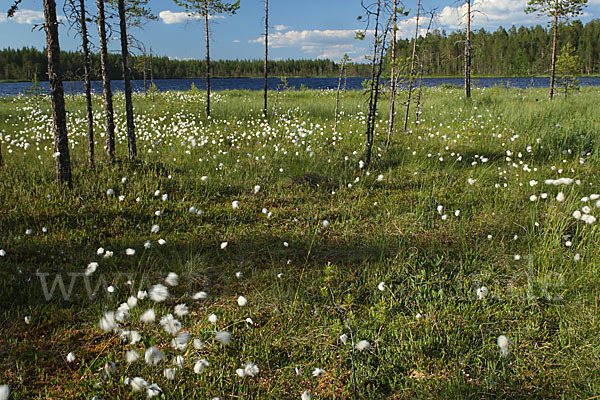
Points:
(4, 392)
(172, 279)
(71, 357)
(138, 384)
(200, 295)
(107, 322)
(362, 345)
(131, 356)
(181, 310)
(223, 337)
(503, 344)
(132, 302)
(325, 223)
(155, 228)
(482, 292)
(158, 293)
(235, 204)
(170, 324)
(2, 253)
(223, 245)
(153, 355)
(560, 197)
(198, 344)
(148, 316)
(180, 342)
(251, 369)
(242, 301)
(110, 368)
(130, 252)
(305, 395)
(381, 286)
(169, 373)
(153, 390)
(91, 268)
(317, 372)
(141, 294)
(212, 318)
(344, 338)
(256, 189)
(200, 366)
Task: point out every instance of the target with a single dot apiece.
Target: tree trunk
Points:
(372, 91)
(145, 81)
(412, 70)
(554, 50)
(393, 77)
(127, 81)
(108, 103)
(266, 55)
(420, 86)
(468, 53)
(61, 141)
(88, 88)
(207, 61)
(337, 96)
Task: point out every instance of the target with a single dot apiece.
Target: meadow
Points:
(243, 258)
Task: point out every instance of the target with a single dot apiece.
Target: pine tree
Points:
(558, 10)
(206, 9)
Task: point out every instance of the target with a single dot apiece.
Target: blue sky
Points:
(299, 28)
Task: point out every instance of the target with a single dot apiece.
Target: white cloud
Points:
(488, 14)
(236, 41)
(176, 17)
(24, 16)
(328, 43)
(281, 27)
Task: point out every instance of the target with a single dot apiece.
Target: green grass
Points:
(386, 230)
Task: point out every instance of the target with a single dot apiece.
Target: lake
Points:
(12, 89)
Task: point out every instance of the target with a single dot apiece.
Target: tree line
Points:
(22, 64)
(523, 51)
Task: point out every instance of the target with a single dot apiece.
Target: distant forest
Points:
(519, 51)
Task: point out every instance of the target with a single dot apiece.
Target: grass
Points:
(429, 335)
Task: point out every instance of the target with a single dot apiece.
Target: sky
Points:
(299, 29)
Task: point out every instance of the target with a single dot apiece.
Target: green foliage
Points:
(213, 7)
(565, 8)
(568, 68)
(35, 89)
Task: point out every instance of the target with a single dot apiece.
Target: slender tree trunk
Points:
(88, 87)
(420, 86)
(337, 96)
(61, 141)
(127, 80)
(412, 70)
(555, 39)
(393, 77)
(266, 55)
(468, 53)
(372, 91)
(145, 81)
(207, 60)
(108, 103)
